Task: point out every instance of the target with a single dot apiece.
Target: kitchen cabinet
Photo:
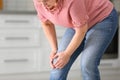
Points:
(19, 20)
(20, 44)
(19, 38)
(19, 60)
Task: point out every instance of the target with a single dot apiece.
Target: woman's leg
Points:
(61, 74)
(97, 40)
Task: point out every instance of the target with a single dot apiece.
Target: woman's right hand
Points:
(52, 54)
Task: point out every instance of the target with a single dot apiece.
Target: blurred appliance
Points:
(112, 50)
(1, 4)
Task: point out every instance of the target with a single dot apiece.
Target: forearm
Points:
(50, 34)
(76, 40)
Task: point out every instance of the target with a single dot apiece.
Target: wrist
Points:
(54, 50)
(68, 53)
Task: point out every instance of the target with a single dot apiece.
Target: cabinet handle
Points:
(15, 60)
(16, 21)
(17, 38)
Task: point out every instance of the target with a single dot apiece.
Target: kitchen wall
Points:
(18, 5)
(117, 4)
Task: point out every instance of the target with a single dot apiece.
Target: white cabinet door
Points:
(20, 43)
(19, 60)
(19, 37)
(15, 21)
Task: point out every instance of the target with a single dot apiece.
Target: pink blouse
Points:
(75, 13)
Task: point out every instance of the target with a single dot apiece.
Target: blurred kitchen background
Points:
(24, 50)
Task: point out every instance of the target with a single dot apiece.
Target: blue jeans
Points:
(91, 49)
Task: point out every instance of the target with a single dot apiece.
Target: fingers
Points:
(51, 64)
(59, 60)
(59, 63)
(55, 56)
(52, 57)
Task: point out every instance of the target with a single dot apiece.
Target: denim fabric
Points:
(91, 49)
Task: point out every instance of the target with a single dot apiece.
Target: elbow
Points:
(82, 30)
(47, 23)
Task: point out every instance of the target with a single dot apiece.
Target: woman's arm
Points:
(50, 33)
(63, 57)
(77, 39)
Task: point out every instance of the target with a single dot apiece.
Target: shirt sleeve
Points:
(78, 13)
(39, 11)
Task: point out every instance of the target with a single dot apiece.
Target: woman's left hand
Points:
(62, 60)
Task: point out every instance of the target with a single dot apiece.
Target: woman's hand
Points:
(61, 60)
(52, 54)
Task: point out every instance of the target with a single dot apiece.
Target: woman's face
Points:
(50, 4)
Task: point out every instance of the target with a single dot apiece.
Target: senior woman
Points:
(91, 25)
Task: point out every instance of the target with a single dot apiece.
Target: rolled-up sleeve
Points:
(78, 13)
(39, 11)
(41, 17)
